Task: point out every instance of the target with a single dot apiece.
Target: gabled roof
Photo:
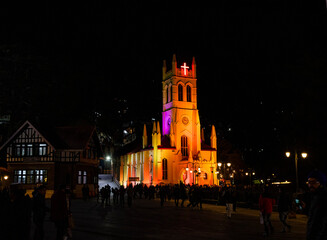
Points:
(75, 137)
(26, 123)
(67, 137)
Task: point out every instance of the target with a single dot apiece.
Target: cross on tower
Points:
(185, 67)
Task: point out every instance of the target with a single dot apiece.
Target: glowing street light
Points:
(219, 164)
(229, 164)
(5, 177)
(108, 158)
(303, 155)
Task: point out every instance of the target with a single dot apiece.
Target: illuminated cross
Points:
(185, 67)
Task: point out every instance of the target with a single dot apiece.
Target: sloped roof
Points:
(66, 137)
(206, 147)
(74, 137)
(165, 142)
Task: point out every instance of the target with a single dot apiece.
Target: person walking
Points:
(59, 211)
(183, 193)
(266, 203)
(317, 206)
(39, 211)
(130, 194)
(176, 193)
(284, 205)
(227, 195)
(122, 196)
(162, 194)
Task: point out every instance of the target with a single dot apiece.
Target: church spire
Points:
(145, 137)
(158, 134)
(154, 135)
(213, 137)
(164, 70)
(202, 135)
(193, 68)
(174, 65)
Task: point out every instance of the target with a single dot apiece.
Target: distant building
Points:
(177, 151)
(53, 156)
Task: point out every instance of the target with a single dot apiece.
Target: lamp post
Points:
(304, 155)
(250, 173)
(194, 171)
(108, 158)
(222, 168)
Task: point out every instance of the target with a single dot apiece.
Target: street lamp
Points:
(304, 155)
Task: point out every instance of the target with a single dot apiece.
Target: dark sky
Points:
(261, 65)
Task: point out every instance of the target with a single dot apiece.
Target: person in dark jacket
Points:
(284, 204)
(59, 211)
(39, 211)
(317, 207)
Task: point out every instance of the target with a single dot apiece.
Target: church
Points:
(176, 150)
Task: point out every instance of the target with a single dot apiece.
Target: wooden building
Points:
(53, 156)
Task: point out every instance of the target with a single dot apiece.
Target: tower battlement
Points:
(182, 71)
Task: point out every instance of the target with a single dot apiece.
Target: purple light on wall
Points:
(166, 121)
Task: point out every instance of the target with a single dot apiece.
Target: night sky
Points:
(261, 67)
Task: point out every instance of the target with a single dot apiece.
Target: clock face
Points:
(185, 120)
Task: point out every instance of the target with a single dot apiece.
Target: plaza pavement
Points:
(147, 220)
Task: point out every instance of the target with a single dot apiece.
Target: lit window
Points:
(82, 177)
(42, 149)
(164, 169)
(180, 92)
(189, 93)
(18, 150)
(23, 150)
(79, 180)
(29, 150)
(30, 176)
(184, 147)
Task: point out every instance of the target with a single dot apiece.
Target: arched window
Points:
(164, 169)
(167, 95)
(180, 92)
(171, 92)
(189, 93)
(184, 147)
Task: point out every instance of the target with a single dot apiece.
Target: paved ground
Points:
(147, 220)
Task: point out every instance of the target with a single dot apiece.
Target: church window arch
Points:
(184, 146)
(180, 92)
(167, 94)
(164, 169)
(171, 92)
(188, 93)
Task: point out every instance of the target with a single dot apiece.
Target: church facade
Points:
(176, 150)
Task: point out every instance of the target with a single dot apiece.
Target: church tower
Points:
(180, 116)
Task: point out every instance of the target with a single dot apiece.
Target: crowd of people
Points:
(27, 214)
(23, 217)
